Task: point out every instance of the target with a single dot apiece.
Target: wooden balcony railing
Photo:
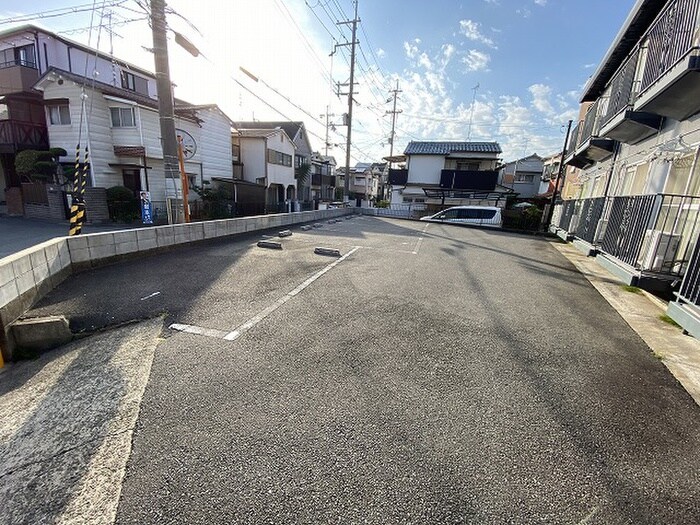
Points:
(20, 134)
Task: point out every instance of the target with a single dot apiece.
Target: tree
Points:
(301, 174)
(40, 166)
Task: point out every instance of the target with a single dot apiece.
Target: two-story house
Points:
(364, 181)
(266, 157)
(296, 131)
(323, 178)
(637, 192)
(113, 111)
(449, 173)
(523, 176)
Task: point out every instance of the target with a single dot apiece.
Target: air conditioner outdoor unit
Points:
(573, 224)
(600, 231)
(658, 250)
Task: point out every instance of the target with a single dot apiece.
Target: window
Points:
(123, 117)
(524, 177)
(128, 81)
(4, 112)
(18, 56)
(463, 165)
(277, 157)
(59, 115)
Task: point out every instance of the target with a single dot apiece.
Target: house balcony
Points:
(630, 126)
(670, 84)
(398, 177)
(620, 121)
(482, 180)
(16, 136)
(17, 77)
(587, 146)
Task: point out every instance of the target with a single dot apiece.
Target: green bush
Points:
(123, 205)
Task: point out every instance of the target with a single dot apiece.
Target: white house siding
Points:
(211, 158)
(253, 158)
(215, 144)
(100, 137)
(277, 174)
(425, 169)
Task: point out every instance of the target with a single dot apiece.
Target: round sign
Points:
(189, 146)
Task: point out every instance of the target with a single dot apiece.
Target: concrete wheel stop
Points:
(270, 244)
(330, 252)
(285, 233)
(306, 227)
(39, 334)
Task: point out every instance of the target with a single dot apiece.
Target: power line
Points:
(52, 13)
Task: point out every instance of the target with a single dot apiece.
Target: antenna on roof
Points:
(471, 112)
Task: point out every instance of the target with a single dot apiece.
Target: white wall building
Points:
(122, 130)
(448, 173)
(267, 158)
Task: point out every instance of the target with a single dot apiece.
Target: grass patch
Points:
(631, 289)
(666, 319)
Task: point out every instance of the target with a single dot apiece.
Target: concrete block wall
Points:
(27, 276)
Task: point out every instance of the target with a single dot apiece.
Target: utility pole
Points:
(351, 91)
(393, 114)
(327, 115)
(165, 93)
(550, 212)
(471, 112)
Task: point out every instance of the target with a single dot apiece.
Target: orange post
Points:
(183, 180)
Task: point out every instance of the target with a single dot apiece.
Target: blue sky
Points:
(530, 59)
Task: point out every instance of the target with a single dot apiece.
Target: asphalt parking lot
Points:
(434, 374)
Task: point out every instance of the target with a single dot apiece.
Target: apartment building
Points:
(635, 196)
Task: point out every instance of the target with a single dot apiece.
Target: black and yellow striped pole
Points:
(74, 225)
(83, 184)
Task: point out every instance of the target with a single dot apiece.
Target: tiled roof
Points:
(290, 128)
(445, 148)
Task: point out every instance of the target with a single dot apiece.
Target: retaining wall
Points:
(28, 275)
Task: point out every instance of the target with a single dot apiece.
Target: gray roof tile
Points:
(445, 148)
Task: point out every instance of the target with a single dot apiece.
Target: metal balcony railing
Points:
(591, 123)
(669, 39)
(622, 88)
(653, 233)
(690, 287)
(589, 212)
(573, 139)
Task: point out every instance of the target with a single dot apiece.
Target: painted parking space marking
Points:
(232, 335)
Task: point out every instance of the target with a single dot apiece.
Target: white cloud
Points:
(471, 30)
(589, 66)
(540, 98)
(410, 49)
(381, 53)
(541, 2)
(424, 61)
(476, 60)
(525, 13)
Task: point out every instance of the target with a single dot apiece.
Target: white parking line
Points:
(420, 240)
(250, 323)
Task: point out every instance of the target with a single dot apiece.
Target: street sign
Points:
(146, 209)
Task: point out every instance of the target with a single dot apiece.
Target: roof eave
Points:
(635, 25)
